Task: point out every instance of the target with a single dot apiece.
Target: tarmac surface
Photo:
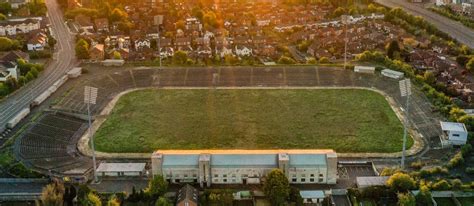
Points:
(455, 29)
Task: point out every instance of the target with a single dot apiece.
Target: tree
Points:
(163, 202)
(29, 76)
(82, 49)
(401, 182)
(4, 90)
(180, 57)
(424, 196)
(456, 184)
(180, 25)
(470, 65)
(2, 17)
(12, 84)
(118, 15)
(286, 60)
(392, 49)
(117, 55)
(429, 77)
(462, 60)
(5, 7)
(156, 187)
(441, 185)
(52, 194)
(406, 199)
(277, 187)
(7, 44)
(93, 200)
(323, 60)
(113, 201)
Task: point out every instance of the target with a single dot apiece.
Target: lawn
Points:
(346, 120)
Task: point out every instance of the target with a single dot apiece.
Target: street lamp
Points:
(405, 91)
(90, 97)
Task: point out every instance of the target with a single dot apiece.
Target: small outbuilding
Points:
(363, 182)
(392, 74)
(312, 196)
(121, 169)
(364, 69)
(454, 133)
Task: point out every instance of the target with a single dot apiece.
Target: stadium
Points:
(57, 142)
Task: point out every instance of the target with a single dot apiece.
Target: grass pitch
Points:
(346, 120)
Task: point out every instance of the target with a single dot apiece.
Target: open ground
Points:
(60, 158)
(347, 120)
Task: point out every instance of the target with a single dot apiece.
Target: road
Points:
(455, 29)
(63, 60)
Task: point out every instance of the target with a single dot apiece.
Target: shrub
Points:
(441, 185)
(286, 60)
(401, 182)
(466, 149)
(416, 165)
(469, 170)
(324, 60)
(456, 184)
(457, 160)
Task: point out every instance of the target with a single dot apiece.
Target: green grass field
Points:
(346, 120)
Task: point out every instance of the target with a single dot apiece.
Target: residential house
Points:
(84, 22)
(8, 70)
(187, 196)
(202, 41)
(13, 56)
(183, 43)
(101, 25)
(18, 3)
(38, 42)
(166, 52)
(204, 51)
(22, 26)
(97, 52)
(142, 44)
(193, 24)
(243, 51)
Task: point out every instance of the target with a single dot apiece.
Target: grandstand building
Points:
(208, 167)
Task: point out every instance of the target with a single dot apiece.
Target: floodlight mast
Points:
(90, 97)
(405, 91)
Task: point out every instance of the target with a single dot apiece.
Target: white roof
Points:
(392, 72)
(453, 126)
(312, 194)
(121, 167)
(364, 67)
(371, 181)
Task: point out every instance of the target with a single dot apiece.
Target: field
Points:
(346, 120)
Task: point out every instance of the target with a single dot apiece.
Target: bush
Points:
(434, 171)
(286, 60)
(456, 184)
(416, 165)
(469, 170)
(401, 182)
(40, 54)
(441, 185)
(324, 60)
(466, 149)
(457, 160)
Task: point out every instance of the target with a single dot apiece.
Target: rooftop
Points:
(371, 181)
(121, 167)
(310, 194)
(453, 126)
